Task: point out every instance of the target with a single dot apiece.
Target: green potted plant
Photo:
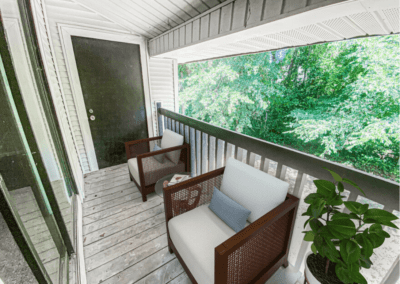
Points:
(342, 243)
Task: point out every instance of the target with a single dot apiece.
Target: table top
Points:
(159, 184)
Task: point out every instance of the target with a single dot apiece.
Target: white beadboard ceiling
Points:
(340, 21)
(244, 26)
(149, 18)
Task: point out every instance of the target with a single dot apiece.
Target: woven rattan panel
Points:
(190, 194)
(258, 252)
(153, 170)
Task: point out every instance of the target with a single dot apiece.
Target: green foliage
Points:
(338, 238)
(336, 100)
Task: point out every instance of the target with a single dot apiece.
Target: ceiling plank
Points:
(101, 8)
(173, 8)
(129, 12)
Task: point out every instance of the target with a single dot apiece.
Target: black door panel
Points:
(112, 84)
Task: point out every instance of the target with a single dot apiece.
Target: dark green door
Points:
(110, 74)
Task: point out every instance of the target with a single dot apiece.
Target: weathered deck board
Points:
(97, 225)
(117, 227)
(112, 203)
(125, 238)
(116, 238)
(143, 268)
(136, 252)
(181, 279)
(103, 199)
(117, 209)
(108, 191)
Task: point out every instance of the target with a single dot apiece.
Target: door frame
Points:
(66, 32)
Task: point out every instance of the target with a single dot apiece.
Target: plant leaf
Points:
(335, 201)
(364, 208)
(353, 184)
(339, 216)
(340, 186)
(309, 236)
(315, 224)
(305, 224)
(357, 277)
(353, 206)
(365, 261)
(312, 197)
(349, 251)
(325, 188)
(317, 207)
(324, 231)
(314, 249)
(375, 228)
(379, 215)
(343, 227)
(366, 245)
(389, 224)
(342, 273)
(354, 216)
(375, 240)
(334, 175)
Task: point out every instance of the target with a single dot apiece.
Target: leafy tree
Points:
(335, 100)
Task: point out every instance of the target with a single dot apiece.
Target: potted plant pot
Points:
(315, 271)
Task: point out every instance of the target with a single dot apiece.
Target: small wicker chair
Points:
(250, 256)
(145, 170)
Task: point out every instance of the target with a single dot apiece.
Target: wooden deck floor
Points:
(125, 238)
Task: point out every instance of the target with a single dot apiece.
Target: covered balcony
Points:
(71, 210)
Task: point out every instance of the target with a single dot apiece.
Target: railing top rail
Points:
(378, 189)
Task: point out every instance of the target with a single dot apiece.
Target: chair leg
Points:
(144, 197)
(130, 176)
(285, 264)
(170, 249)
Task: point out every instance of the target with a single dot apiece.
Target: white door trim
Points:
(66, 31)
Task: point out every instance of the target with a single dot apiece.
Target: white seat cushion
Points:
(133, 169)
(172, 139)
(195, 235)
(154, 170)
(253, 189)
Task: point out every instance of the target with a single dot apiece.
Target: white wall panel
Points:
(162, 74)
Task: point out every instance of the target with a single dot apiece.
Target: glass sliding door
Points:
(27, 201)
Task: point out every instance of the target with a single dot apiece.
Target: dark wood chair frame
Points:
(282, 217)
(140, 149)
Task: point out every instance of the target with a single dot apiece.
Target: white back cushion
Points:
(172, 139)
(253, 189)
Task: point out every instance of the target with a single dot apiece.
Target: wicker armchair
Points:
(145, 171)
(250, 256)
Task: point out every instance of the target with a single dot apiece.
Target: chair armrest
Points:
(254, 250)
(203, 184)
(136, 147)
(162, 151)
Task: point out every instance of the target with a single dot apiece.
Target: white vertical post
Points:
(159, 119)
(204, 163)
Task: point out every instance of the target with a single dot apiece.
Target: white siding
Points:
(61, 11)
(56, 91)
(162, 85)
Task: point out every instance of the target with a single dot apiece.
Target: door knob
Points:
(92, 117)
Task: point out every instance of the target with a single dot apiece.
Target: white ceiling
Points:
(346, 20)
(149, 18)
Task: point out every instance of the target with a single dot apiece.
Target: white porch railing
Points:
(211, 146)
